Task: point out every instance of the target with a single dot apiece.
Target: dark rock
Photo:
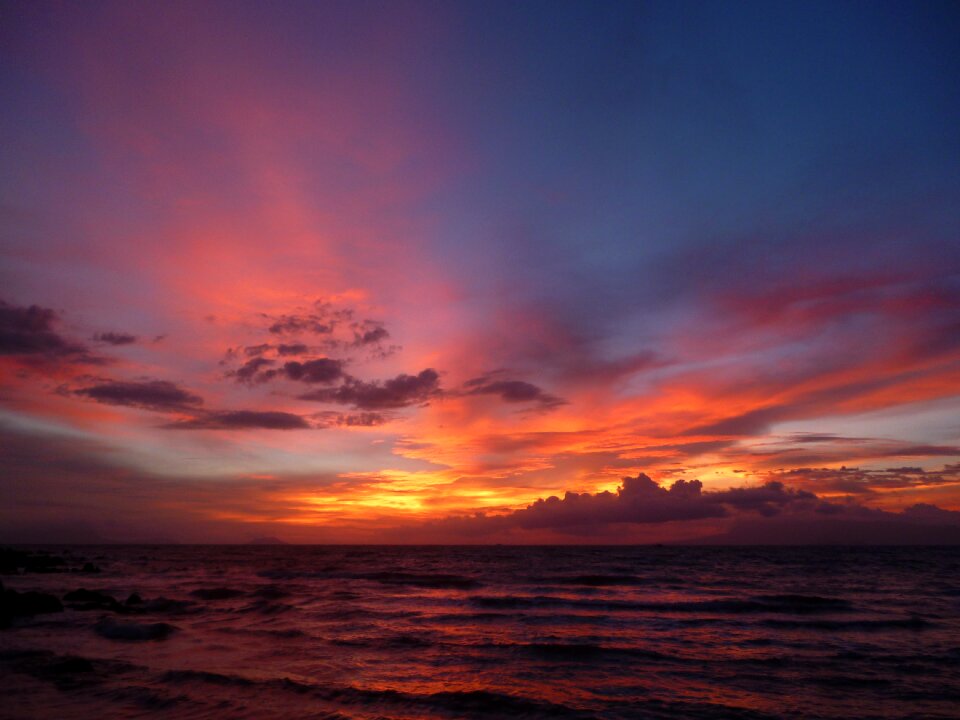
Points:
(270, 592)
(166, 605)
(134, 632)
(64, 671)
(27, 604)
(84, 599)
(89, 568)
(70, 664)
(134, 599)
(217, 593)
(12, 561)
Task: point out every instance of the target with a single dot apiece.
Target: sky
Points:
(479, 272)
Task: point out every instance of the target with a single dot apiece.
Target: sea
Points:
(402, 632)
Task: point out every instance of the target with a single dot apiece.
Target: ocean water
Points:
(490, 632)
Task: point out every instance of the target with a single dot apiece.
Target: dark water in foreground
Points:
(493, 632)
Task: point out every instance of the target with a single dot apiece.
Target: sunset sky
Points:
(394, 272)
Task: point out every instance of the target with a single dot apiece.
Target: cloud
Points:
(74, 488)
(771, 513)
(637, 500)
(512, 391)
(159, 395)
(292, 324)
(29, 332)
(363, 419)
(242, 420)
(857, 481)
(401, 391)
(115, 338)
(248, 372)
(754, 422)
(65, 487)
(369, 332)
(319, 371)
(767, 500)
(254, 350)
(337, 326)
(854, 525)
(808, 404)
(165, 396)
(322, 370)
(322, 321)
(641, 500)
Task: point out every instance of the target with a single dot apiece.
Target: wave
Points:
(66, 672)
(564, 634)
(793, 604)
(576, 651)
(266, 607)
(167, 606)
(598, 580)
(214, 678)
(440, 581)
(401, 641)
(911, 623)
(270, 592)
(473, 703)
(558, 651)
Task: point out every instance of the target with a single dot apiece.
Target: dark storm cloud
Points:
(369, 332)
(322, 370)
(319, 371)
(164, 396)
(29, 332)
(771, 513)
(291, 349)
(861, 481)
(362, 419)
(256, 350)
(292, 324)
(115, 338)
(398, 392)
(637, 500)
(511, 391)
(243, 420)
(924, 451)
(768, 499)
(850, 524)
(337, 325)
(811, 450)
(159, 395)
(641, 500)
(323, 320)
(248, 372)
